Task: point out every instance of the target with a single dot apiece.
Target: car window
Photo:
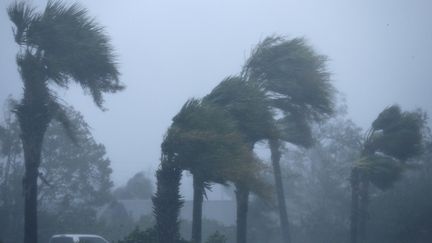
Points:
(91, 240)
(62, 240)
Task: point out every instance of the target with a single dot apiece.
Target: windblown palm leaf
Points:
(204, 141)
(293, 75)
(381, 170)
(69, 46)
(247, 105)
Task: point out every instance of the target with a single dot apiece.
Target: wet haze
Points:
(168, 51)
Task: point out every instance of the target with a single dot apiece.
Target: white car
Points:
(77, 238)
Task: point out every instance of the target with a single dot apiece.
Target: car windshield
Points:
(62, 240)
(91, 240)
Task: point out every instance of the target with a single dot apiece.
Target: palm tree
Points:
(167, 200)
(205, 142)
(296, 83)
(57, 46)
(393, 138)
(248, 106)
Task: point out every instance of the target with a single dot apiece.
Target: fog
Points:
(170, 51)
(379, 53)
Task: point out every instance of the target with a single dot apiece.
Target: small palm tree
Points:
(58, 45)
(394, 138)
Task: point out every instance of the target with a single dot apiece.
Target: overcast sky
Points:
(380, 53)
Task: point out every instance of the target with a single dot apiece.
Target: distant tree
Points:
(393, 138)
(75, 180)
(11, 171)
(216, 238)
(57, 46)
(296, 83)
(137, 187)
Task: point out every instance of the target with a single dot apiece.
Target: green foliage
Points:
(137, 187)
(382, 171)
(167, 200)
(141, 236)
(247, 104)
(394, 138)
(70, 44)
(144, 236)
(74, 180)
(204, 141)
(294, 76)
(403, 213)
(216, 238)
(397, 134)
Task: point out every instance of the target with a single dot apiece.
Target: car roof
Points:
(76, 236)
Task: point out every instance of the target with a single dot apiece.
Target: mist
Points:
(167, 52)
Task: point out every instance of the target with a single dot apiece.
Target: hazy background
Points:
(168, 51)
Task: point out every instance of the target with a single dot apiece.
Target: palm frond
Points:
(295, 72)
(397, 134)
(388, 117)
(22, 16)
(74, 47)
(382, 171)
(248, 106)
(60, 114)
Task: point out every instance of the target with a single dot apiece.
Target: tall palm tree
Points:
(205, 142)
(393, 138)
(248, 106)
(58, 45)
(297, 86)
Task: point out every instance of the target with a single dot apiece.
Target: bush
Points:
(141, 236)
(217, 238)
(144, 236)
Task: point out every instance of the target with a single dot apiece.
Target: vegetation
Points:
(394, 137)
(137, 187)
(283, 97)
(57, 46)
(297, 86)
(74, 180)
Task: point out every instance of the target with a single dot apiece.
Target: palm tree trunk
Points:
(242, 197)
(34, 117)
(32, 145)
(363, 209)
(354, 205)
(198, 196)
(167, 201)
(283, 215)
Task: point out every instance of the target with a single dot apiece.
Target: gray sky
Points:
(380, 54)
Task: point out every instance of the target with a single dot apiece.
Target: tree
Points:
(204, 141)
(402, 214)
(296, 82)
(57, 46)
(137, 187)
(393, 138)
(247, 105)
(10, 177)
(75, 180)
(167, 200)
